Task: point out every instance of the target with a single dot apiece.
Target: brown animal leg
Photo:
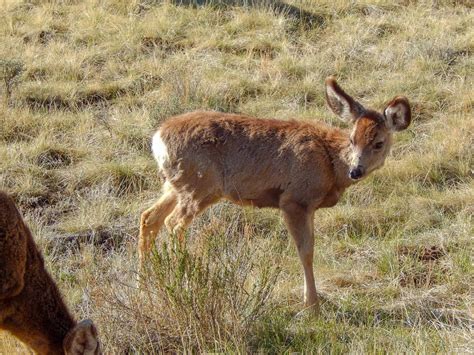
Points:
(300, 225)
(152, 220)
(184, 213)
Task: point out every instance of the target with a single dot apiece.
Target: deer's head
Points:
(371, 136)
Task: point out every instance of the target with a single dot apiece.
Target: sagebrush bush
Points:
(9, 72)
(208, 295)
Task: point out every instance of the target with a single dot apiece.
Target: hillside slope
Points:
(91, 80)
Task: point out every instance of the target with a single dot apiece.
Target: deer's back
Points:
(245, 157)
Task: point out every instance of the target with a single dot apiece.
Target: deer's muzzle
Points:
(355, 173)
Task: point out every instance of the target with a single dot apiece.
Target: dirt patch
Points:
(53, 158)
(420, 265)
(344, 282)
(41, 37)
(82, 100)
(33, 202)
(425, 254)
(150, 43)
(106, 239)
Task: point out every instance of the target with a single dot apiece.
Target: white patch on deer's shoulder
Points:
(160, 151)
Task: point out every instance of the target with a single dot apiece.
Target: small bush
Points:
(201, 298)
(9, 72)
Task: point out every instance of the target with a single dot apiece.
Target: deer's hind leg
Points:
(188, 207)
(153, 218)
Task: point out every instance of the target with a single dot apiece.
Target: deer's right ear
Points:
(82, 339)
(341, 103)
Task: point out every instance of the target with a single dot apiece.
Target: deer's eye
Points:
(351, 140)
(378, 145)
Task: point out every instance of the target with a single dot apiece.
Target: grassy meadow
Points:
(84, 84)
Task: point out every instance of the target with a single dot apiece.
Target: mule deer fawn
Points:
(31, 307)
(295, 166)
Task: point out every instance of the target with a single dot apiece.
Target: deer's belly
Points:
(265, 198)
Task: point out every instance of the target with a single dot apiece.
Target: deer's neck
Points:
(339, 150)
(42, 319)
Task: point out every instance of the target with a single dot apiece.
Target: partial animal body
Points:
(295, 166)
(31, 306)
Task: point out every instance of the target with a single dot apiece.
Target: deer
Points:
(31, 306)
(295, 166)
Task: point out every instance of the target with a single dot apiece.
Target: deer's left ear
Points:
(341, 103)
(397, 114)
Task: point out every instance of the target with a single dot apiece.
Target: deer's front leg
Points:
(300, 225)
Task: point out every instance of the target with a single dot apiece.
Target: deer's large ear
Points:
(341, 103)
(82, 340)
(397, 114)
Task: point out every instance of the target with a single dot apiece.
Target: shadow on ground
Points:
(306, 18)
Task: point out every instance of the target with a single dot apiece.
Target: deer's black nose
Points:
(356, 173)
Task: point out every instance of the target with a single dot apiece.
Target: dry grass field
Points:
(85, 83)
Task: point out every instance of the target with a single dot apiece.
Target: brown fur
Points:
(244, 148)
(31, 307)
(366, 131)
(296, 166)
